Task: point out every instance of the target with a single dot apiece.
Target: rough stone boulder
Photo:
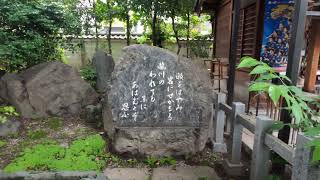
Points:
(103, 64)
(159, 104)
(47, 89)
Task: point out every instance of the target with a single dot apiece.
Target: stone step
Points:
(161, 173)
(127, 173)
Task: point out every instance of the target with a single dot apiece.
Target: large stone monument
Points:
(159, 104)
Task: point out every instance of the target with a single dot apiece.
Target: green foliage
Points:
(2, 143)
(82, 155)
(54, 123)
(274, 177)
(167, 160)
(132, 162)
(31, 32)
(89, 74)
(153, 162)
(296, 100)
(37, 134)
(142, 39)
(199, 46)
(203, 178)
(6, 112)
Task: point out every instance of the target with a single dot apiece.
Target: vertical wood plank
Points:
(313, 58)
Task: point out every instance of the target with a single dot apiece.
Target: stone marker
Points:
(104, 65)
(160, 104)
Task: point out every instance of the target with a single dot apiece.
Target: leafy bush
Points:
(89, 74)
(200, 46)
(54, 123)
(31, 32)
(83, 154)
(142, 39)
(37, 134)
(153, 162)
(5, 112)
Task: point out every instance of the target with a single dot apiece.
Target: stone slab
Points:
(185, 173)
(127, 173)
(62, 175)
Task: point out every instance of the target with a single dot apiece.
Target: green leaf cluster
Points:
(82, 155)
(89, 74)
(6, 112)
(153, 161)
(199, 46)
(297, 101)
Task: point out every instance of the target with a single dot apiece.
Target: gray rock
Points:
(104, 65)
(9, 127)
(47, 89)
(160, 104)
(164, 141)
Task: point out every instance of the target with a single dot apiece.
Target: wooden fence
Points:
(299, 157)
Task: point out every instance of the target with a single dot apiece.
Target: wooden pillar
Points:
(295, 47)
(233, 50)
(313, 57)
(296, 39)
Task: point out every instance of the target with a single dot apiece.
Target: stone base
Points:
(160, 141)
(220, 147)
(233, 169)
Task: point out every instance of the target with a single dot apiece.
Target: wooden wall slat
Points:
(246, 47)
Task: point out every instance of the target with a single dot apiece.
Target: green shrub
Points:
(5, 112)
(37, 134)
(89, 74)
(30, 32)
(82, 155)
(167, 160)
(54, 123)
(200, 46)
(153, 162)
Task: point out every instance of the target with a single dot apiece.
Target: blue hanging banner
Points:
(276, 34)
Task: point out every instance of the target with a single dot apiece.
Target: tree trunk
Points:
(96, 26)
(188, 34)
(175, 32)
(109, 36)
(154, 23)
(83, 53)
(128, 27)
